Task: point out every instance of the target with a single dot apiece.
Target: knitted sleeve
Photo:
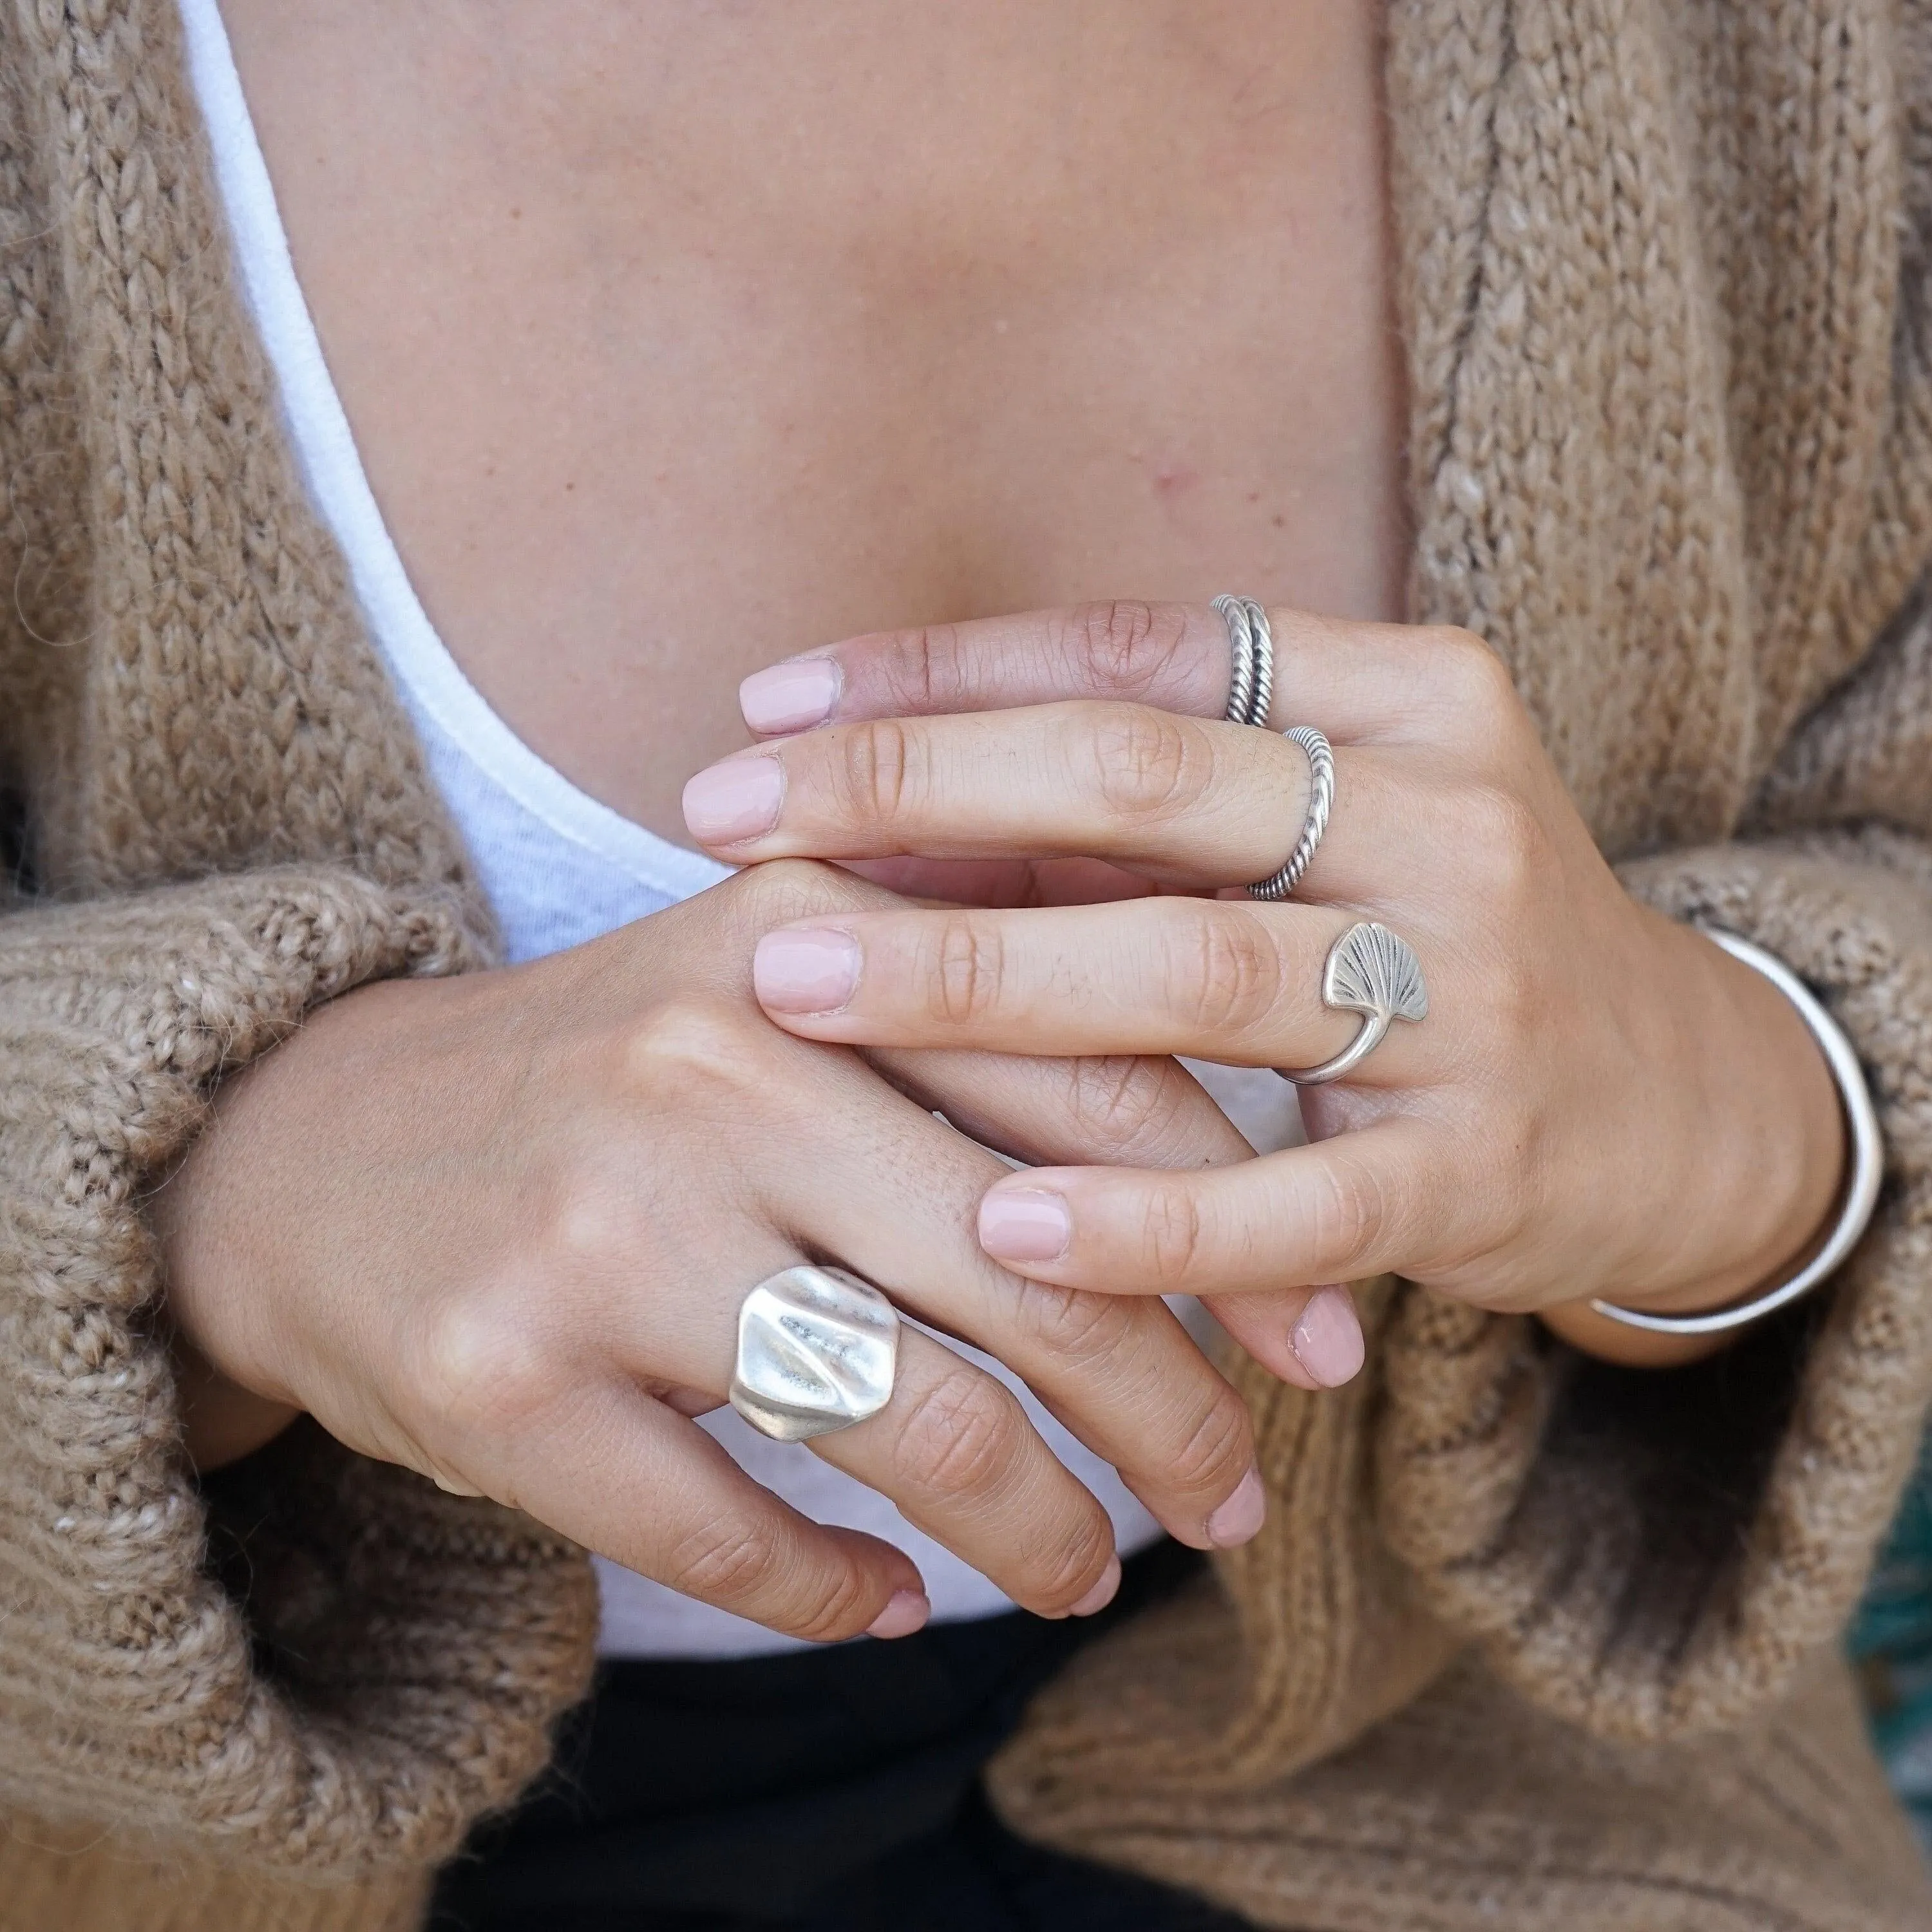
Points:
(1656, 1553)
(313, 1660)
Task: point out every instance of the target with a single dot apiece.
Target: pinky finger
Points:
(671, 1505)
(1359, 1205)
(1311, 1337)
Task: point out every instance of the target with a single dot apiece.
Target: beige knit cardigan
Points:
(1527, 1641)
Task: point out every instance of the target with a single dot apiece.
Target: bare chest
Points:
(675, 339)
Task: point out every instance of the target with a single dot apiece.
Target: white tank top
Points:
(560, 869)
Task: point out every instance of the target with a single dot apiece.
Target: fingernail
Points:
(1102, 1593)
(810, 972)
(905, 1612)
(1327, 1339)
(733, 801)
(791, 697)
(1023, 1224)
(1240, 1517)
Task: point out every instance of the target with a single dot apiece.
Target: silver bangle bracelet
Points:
(1867, 1161)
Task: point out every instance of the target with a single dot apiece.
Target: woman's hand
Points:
(497, 1228)
(1600, 1102)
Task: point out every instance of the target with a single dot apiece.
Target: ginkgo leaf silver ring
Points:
(817, 1350)
(1371, 971)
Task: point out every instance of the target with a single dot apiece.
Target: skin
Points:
(1587, 1067)
(675, 339)
(496, 1228)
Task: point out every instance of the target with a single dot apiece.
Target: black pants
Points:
(835, 1790)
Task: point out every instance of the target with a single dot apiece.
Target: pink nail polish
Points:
(814, 971)
(726, 804)
(791, 697)
(1239, 1519)
(905, 1612)
(1023, 1224)
(1102, 1593)
(1327, 1339)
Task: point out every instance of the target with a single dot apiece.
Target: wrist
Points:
(211, 1217)
(221, 1420)
(1761, 1169)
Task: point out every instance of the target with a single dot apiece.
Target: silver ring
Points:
(1321, 801)
(1371, 971)
(1251, 646)
(817, 1348)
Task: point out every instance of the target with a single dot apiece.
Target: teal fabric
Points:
(1891, 1643)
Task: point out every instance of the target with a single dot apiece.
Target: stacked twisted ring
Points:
(1250, 694)
(1369, 969)
(1251, 686)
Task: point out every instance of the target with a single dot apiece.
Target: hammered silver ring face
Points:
(817, 1349)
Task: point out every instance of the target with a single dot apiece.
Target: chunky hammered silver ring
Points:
(817, 1348)
(1371, 971)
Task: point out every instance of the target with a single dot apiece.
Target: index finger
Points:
(1350, 678)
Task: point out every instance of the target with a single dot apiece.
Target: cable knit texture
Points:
(332, 1666)
(1527, 1640)
(1663, 275)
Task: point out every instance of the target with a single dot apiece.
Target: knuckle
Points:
(781, 889)
(1079, 1329)
(1122, 1105)
(1220, 1442)
(722, 1560)
(1128, 646)
(1232, 978)
(735, 1561)
(1502, 840)
(1350, 1210)
(692, 1044)
(1171, 1233)
(960, 1435)
(481, 1367)
(1149, 764)
(1475, 678)
(878, 770)
(1074, 1562)
(966, 971)
(843, 1608)
(591, 1223)
(923, 669)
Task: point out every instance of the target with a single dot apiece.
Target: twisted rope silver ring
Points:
(818, 1351)
(1374, 972)
(1251, 646)
(1314, 822)
(1250, 695)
